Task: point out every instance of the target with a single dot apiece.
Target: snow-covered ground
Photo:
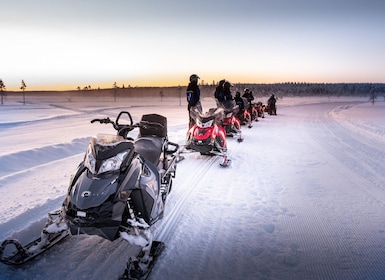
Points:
(304, 197)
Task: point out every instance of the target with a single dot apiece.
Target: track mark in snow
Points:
(197, 176)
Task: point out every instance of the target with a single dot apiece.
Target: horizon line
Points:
(60, 89)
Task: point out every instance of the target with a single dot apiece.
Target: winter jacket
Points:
(249, 96)
(193, 94)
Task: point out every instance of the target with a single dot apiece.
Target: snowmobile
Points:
(260, 109)
(230, 122)
(118, 190)
(271, 109)
(243, 114)
(206, 135)
(254, 111)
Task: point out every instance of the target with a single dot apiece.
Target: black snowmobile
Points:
(118, 190)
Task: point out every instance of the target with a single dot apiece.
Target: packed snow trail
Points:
(279, 219)
(302, 199)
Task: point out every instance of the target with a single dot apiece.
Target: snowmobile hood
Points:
(203, 133)
(90, 192)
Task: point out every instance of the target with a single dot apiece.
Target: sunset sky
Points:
(52, 44)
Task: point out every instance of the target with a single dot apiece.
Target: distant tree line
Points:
(372, 90)
(316, 89)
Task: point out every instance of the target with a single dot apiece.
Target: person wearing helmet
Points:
(223, 94)
(239, 101)
(248, 94)
(193, 95)
(219, 93)
(272, 107)
(227, 101)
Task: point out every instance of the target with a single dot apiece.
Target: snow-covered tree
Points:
(23, 87)
(2, 88)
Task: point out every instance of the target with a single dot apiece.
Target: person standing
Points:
(272, 107)
(223, 94)
(193, 95)
(248, 94)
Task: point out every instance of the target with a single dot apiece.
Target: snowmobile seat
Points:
(153, 124)
(150, 148)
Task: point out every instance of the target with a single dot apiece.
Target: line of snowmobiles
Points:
(249, 112)
(119, 190)
(209, 132)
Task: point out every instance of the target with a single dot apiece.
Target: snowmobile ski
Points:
(137, 270)
(30, 251)
(226, 163)
(55, 230)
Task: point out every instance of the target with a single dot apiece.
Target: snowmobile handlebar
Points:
(127, 125)
(106, 121)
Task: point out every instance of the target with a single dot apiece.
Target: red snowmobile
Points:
(260, 109)
(230, 122)
(253, 111)
(244, 114)
(207, 136)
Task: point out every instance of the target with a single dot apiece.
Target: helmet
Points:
(237, 94)
(227, 85)
(194, 77)
(246, 90)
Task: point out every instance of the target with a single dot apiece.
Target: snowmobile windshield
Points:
(204, 122)
(106, 153)
(207, 119)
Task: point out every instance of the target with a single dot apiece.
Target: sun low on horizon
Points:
(63, 46)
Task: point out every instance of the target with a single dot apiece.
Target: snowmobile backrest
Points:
(218, 113)
(151, 129)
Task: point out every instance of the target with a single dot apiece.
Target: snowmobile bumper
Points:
(202, 146)
(94, 221)
(109, 233)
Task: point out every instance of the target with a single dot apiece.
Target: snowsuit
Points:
(223, 95)
(271, 102)
(249, 96)
(239, 101)
(193, 95)
(219, 93)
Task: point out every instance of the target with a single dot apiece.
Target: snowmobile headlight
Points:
(113, 163)
(204, 124)
(107, 165)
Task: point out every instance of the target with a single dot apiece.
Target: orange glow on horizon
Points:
(174, 82)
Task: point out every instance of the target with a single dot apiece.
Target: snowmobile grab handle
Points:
(147, 124)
